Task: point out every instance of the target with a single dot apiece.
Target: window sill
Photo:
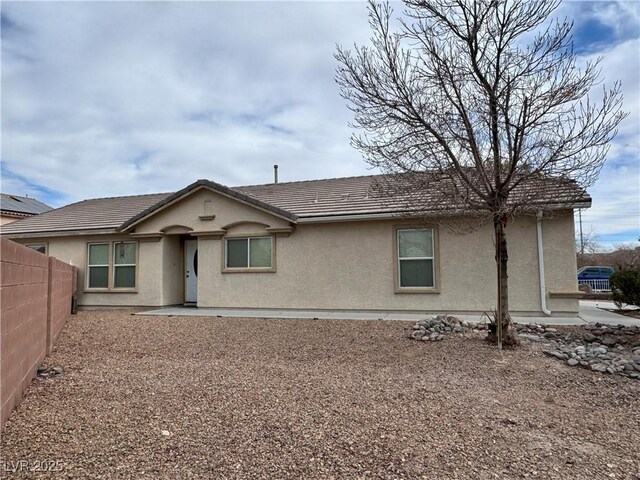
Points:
(416, 290)
(110, 290)
(566, 294)
(248, 270)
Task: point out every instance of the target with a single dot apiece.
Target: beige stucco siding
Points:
(560, 261)
(187, 213)
(172, 271)
(4, 219)
(348, 265)
(150, 269)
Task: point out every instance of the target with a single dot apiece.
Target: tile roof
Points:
(95, 214)
(21, 205)
(311, 198)
(294, 200)
(361, 195)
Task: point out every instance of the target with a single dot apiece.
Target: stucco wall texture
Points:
(35, 295)
(340, 265)
(351, 266)
(4, 219)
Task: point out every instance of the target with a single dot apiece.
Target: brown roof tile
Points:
(360, 195)
(335, 196)
(95, 214)
(305, 199)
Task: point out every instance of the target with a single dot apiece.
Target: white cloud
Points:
(193, 90)
(119, 98)
(616, 194)
(623, 17)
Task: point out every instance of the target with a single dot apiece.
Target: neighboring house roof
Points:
(15, 205)
(295, 201)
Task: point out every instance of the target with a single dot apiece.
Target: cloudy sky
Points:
(117, 98)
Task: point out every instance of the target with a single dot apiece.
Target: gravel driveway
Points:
(189, 397)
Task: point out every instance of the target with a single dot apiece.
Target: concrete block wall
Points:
(35, 302)
(62, 285)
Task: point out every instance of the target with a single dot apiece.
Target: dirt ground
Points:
(179, 397)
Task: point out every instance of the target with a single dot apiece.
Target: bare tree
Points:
(587, 248)
(482, 102)
(624, 257)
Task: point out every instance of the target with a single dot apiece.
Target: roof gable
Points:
(213, 186)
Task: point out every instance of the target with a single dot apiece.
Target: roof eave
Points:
(61, 233)
(15, 213)
(348, 217)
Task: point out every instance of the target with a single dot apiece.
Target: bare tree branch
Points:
(480, 102)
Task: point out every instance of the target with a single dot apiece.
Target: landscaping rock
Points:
(418, 334)
(433, 329)
(48, 372)
(612, 354)
(616, 351)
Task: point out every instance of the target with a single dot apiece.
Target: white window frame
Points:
(118, 265)
(248, 268)
(432, 258)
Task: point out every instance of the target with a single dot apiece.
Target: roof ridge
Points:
(121, 196)
(308, 181)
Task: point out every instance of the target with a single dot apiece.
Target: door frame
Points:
(185, 263)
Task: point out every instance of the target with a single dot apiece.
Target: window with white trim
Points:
(416, 262)
(111, 265)
(249, 253)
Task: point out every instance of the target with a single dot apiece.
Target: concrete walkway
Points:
(594, 311)
(589, 313)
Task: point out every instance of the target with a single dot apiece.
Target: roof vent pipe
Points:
(275, 174)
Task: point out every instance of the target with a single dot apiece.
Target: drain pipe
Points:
(543, 295)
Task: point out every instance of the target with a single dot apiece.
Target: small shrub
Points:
(625, 287)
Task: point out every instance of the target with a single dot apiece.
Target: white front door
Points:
(191, 271)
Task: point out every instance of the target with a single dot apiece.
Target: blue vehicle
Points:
(595, 273)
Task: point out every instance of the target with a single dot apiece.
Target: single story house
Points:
(15, 207)
(321, 244)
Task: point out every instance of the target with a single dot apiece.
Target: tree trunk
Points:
(507, 334)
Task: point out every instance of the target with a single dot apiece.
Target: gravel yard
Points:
(194, 397)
